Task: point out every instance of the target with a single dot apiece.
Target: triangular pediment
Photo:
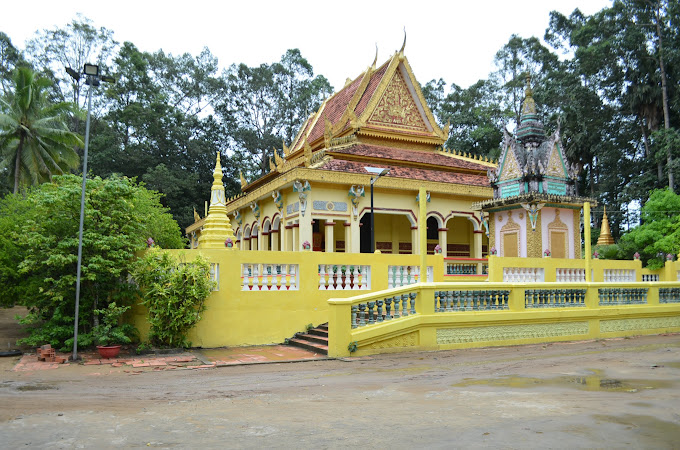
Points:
(398, 108)
(510, 167)
(556, 166)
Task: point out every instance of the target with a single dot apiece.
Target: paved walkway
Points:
(194, 359)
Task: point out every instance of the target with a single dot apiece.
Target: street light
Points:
(378, 172)
(92, 79)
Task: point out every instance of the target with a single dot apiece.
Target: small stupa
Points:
(217, 227)
(605, 235)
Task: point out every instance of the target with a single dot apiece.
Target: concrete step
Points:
(309, 345)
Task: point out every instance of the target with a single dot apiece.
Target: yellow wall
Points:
(236, 318)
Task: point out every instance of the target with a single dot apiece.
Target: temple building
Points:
(377, 131)
(535, 210)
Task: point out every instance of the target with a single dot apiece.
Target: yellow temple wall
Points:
(241, 313)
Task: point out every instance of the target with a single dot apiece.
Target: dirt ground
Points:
(598, 394)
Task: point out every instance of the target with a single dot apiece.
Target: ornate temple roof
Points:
(379, 118)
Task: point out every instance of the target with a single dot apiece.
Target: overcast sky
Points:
(451, 39)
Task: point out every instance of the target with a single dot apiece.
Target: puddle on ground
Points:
(35, 387)
(595, 382)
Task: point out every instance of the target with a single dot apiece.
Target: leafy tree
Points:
(74, 45)
(264, 105)
(659, 233)
(35, 142)
(174, 292)
(10, 59)
(119, 216)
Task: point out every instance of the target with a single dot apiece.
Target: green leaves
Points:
(174, 292)
(39, 247)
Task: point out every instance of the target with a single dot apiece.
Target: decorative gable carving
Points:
(510, 170)
(555, 166)
(397, 108)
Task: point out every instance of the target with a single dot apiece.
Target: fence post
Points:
(339, 327)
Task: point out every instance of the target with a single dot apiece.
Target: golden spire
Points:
(605, 235)
(217, 227)
(403, 46)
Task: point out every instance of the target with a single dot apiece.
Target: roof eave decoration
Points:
(533, 197)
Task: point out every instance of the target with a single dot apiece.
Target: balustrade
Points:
(473, 300)
(619, 275)
(570, 275)
(372, 312)
(269, 277)
(650, 277)
(337, 277)
(554, 298)
(523, 275)
(622, 296)
(669, 295)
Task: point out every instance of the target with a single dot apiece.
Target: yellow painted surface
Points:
(430, 330)
(235, 317)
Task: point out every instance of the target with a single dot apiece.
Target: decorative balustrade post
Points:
(395, 302)
(388, 308)
(379, 303)
(354, 316)
(371, 319)
(362, 314)
(412, 297)
(451, 299)
(438, 301)
(506, 295)
(322, 279)
(404, 305)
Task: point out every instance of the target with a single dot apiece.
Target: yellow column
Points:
(330, 238)
(422, 233)
(443, 239)
(586, 238)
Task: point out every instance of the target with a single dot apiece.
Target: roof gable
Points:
(556, 166)
(397, 108)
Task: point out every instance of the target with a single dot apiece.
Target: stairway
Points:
(315, 340)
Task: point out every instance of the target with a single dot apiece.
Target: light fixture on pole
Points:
(92, 79)
(378, 172)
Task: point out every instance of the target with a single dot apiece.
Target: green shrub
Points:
(174, 293)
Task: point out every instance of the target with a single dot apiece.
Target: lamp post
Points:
(378, 172)
(92, 79)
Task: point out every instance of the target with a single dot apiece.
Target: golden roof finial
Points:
(605, 235)
(527, 91)
(403, 46)
(375, 60)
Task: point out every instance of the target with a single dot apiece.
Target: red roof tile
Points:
(414, 156)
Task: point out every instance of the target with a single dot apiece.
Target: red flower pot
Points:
(108, 351)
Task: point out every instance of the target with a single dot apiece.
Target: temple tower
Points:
(217, 227)
(535, 206)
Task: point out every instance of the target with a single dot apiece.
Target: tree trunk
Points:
(17, 164)
(664, 94)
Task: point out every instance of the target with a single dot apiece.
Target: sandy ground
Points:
(621, 393)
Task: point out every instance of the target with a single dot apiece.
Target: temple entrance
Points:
(459, 238)
(392, 233)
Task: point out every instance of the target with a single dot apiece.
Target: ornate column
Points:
(217, 227)
(443, 239)
(275, 239)
(349, 241)
(330, 239)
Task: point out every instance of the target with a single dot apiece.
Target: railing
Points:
(669, 295)
(650, 277)
(372, 312)
(554, 298)
(523, 275)
(269, 277)
(466, 266)
(398, 276)
(622, 296)
(335, 277)
(570, 275)
(618, 276)
(470, 300)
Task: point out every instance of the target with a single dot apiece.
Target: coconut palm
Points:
(35, 142)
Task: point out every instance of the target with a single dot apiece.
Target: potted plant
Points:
(596, 255)
(229, 243)
(493, 251)
(110, 334)
(669, 257)
(636, 256)
(306, 245)
(437, 250)
(546, 253)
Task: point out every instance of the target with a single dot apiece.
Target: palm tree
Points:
(35, 142)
